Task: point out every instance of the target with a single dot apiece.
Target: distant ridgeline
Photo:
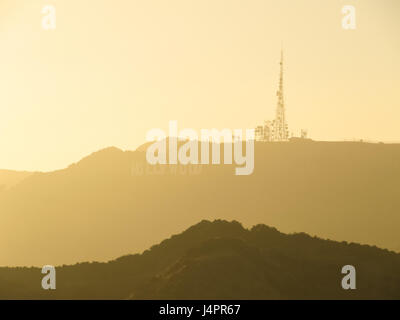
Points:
(221, 260)
(106, 205)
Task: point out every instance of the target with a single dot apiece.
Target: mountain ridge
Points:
(105, 207)
(221, 260)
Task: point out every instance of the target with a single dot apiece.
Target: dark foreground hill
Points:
(222, 260)
(112, 203)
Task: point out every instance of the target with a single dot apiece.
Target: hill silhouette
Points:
(10, 178)
(221, 260)
(112, 203)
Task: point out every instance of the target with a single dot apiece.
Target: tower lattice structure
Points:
(280, 131)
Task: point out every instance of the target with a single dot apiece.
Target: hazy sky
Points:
(112, 70)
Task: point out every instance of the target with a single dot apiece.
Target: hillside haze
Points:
(110, 204)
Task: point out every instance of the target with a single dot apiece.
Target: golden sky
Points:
(112, 70)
